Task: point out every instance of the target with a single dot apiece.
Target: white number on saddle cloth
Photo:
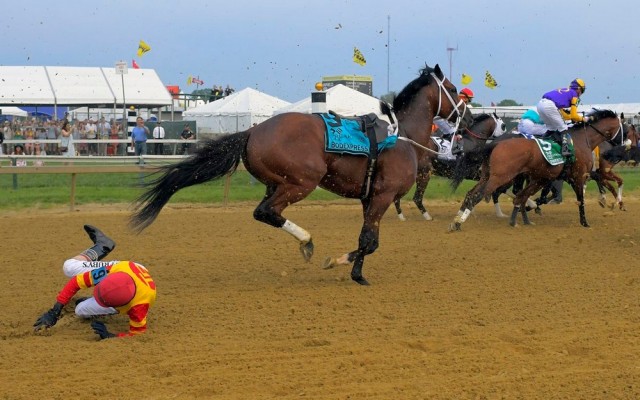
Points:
(444, 148)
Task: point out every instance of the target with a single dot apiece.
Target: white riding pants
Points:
(551, 116)
(73, 267)
(528, 127)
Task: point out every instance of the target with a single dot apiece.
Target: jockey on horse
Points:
(448, 131)
(552, 110)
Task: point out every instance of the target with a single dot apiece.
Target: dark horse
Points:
(484, 127)
(287, 154)
(505, 159)
(611, 153)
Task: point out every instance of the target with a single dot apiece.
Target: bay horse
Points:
(505, 159)
(484, 127)
(287, 154)
(611, 153)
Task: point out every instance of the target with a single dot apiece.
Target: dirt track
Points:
(544, 312)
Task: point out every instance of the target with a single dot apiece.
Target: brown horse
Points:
(505, 159)
(611, 153)
(287, 154)
(484, 127)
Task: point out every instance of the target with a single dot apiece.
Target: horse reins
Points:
(455, 110)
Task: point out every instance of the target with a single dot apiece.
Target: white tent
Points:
(234, 113)
(13, 111)
(66, 86)
(341, 99)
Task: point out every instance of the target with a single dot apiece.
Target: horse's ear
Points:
(438, 71)
(622, 116)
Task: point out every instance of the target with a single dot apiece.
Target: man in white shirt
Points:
(92, 134)
(158, 133)
(103, 130)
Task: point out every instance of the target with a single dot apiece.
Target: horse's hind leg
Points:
(275, 200)
(520, 201)
(473, 197)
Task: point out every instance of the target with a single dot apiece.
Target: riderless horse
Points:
(287, 154)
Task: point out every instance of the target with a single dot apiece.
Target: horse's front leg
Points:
(577, 186)
(373, 211)
(421, 186)
(401, 216)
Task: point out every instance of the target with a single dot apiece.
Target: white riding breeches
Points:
(551, 116)
(444, 126)
(90, 308)
(73, 267)
(528, 127)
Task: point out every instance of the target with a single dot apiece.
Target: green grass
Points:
(49, 190)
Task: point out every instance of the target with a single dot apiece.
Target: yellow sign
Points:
(466, 79)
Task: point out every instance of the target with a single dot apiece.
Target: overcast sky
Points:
(282, 47)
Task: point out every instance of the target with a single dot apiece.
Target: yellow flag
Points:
(143, 48)
(489, 81)
(466, 79)
(358, 58)
(189, 80)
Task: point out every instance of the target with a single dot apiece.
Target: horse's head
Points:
(431, 90)
(501, 127)
(605, 122)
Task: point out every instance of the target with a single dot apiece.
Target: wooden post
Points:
(72, 202)
(227, 185)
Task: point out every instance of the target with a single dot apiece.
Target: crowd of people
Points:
(73, 137)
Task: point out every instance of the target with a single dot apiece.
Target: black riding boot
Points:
(103, 245)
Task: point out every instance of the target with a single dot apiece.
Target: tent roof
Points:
(341, 99)
(63, 86)
(246, 101)
(13, 111)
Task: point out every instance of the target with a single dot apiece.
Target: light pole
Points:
(451, 50)
(121, 69)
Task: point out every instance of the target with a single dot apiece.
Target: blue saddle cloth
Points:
(347, 136)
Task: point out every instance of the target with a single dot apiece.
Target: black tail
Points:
(215, 159)
(470, 162)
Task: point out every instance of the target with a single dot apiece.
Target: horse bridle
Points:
(602, 133)
(455, 110)
(477, 136)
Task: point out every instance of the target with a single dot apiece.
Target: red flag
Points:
(134, 64)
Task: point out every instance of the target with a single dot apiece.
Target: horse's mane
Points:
(406, 95)
(596, 115)
(480, 118)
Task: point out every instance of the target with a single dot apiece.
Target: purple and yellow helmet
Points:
(578, 84)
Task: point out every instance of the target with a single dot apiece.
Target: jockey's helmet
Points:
(578, 84)
(467, 92)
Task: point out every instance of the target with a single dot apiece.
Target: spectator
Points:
(119, 287)
(52, 134)
(41, 134)
(112, 150)
(139, 136)
(187, 135)
(228, 90)
(104, 129)
(29, 136)
(158, 133)
(18, 150)
(92, 134)
(67, 147)
(7, 131)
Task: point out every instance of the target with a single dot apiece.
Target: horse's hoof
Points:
(329, 263)
(427, 216)
(360, 280)
(455, 226)
(401, 217)
(306, 248)
(585, 224)
(538, 210)
(513, 223)
(602, 203)
(501, 215)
